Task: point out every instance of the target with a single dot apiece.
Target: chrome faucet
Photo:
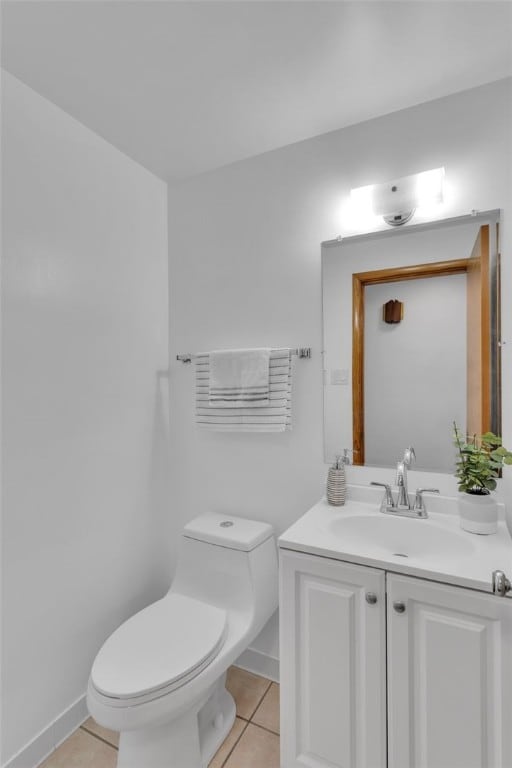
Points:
(401, 478)
(402, 506)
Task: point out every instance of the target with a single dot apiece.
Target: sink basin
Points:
(399, 537)
(434, 548)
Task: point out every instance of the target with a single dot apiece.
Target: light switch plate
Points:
(339, 376)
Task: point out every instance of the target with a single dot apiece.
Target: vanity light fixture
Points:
(397, 201)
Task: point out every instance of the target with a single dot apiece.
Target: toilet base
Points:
(215, 720)
(190, 741)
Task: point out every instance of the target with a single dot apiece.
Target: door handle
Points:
(399, 606)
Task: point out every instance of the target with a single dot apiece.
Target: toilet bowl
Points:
(159, 679)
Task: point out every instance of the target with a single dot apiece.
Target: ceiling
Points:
(186, 87)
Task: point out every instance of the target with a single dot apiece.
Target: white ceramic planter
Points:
(478, 514)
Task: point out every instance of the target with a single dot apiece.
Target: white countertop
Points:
(470, 564)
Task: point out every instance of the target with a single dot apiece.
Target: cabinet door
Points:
(449, 677)
(333, 700)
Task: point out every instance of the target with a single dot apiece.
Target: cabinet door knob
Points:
(399, 606)
(500, 584)
(371, 598)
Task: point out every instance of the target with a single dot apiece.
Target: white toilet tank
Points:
(230, 562)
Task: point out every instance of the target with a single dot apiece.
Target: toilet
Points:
(159, 679)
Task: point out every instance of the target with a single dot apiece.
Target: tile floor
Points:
(252, 743)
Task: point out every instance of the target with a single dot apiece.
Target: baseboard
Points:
(259, 663)
(50, 737)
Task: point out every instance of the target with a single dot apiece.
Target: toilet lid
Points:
(158, 646)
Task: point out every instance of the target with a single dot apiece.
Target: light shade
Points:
(397, 200)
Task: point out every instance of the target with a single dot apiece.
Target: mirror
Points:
(411, 332)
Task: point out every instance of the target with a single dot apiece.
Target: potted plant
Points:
(480, 459)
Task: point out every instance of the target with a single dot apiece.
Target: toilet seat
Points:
(158, 650)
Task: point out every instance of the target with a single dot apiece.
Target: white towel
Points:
(273, 417)
(239, 377)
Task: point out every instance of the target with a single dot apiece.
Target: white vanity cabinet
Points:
(449, 676)
(333, 663)
(443, 654)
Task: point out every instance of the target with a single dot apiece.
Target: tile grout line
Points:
(249, 719)
(267, 689)
(264, 728)
(246, 723)
(100, 738)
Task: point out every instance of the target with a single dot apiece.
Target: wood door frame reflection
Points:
(359, 282)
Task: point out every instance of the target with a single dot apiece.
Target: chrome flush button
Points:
(226, 524)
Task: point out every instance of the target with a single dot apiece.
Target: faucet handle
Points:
(419, 504)
(390, 502)
(409, 456)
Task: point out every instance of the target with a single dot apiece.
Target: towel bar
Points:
(304, 352)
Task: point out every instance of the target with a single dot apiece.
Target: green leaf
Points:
(479, 459)
(491, 438)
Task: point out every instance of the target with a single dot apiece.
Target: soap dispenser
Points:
(336, 482)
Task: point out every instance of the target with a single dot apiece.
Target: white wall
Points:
(415, 371)
(85, 327)
(245, 271)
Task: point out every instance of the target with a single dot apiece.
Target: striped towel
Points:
(239, 377)
(274, 417)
